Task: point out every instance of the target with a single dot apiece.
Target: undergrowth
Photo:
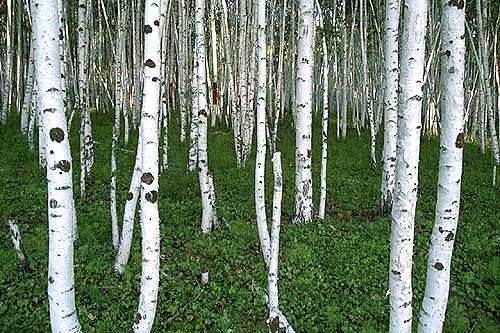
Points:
(333, 273)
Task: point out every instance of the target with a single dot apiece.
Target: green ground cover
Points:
(333, 273)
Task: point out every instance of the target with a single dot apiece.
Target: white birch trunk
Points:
(408, 149)
(433, 309)
(324, 131)
(208, 221)
(343, 113)
(260, 162)
(33, 115)
(17, 244)
(303, 105)
(86, 142)
(30, 82)
(6, 98)
(391, 103)
(129, 213)
(182, 67)
(485, 78)
(274, 314)
(61, 289)
(150, 221)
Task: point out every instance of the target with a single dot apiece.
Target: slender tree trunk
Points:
(303, 104)
(343, 113)
(6, 98)
(324, 131)
(86, 142)
(129, 212)
(28, 94)
(260, 162)
(391, 103)
(408, 149)
(485, 78)
(61, 289)
(433, 309)
(150, 221)
(272, 277)
(208, 221)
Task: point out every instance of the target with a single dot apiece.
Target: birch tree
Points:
(209, 218)
(392, 9)
(6, 98)
(260, 160)
(150, 221)
(324, 131)
(407, 158)
(303, 105)
(61, 289)
(433, 309)
(86, 142)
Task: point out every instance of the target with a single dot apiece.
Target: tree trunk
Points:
(61, 289)
(391, 103)
(433, 309)
(150, 226)
(303, 104)
(408, 149)
(260, 160)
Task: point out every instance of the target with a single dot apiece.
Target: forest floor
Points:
(333, 273)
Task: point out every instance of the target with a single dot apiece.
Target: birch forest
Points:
(249, 166)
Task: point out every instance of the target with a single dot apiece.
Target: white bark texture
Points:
(129, 213)
(433, 309)
(408, 149)
(17, 244)
(86, 142)
(274, 316)
(324, 131)
(208, 217)
(260, 163)
(6, 98)
(391, 103)
(303, 104)
(150, 221)
(28, 94)
(61, 289)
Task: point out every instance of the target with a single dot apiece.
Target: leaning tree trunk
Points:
(150, 221)
(391, 103)
(437, 287)
(61, 288)
(408, 149)
(303, 104)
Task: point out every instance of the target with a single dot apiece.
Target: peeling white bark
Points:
(324, 131)
(303, 104)
(61, 290)
(391, 103)
(129, 213)
(437, 287)
(260, 162)
(408, 149)
(150, 221)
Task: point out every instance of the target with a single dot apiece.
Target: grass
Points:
(333, 273)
